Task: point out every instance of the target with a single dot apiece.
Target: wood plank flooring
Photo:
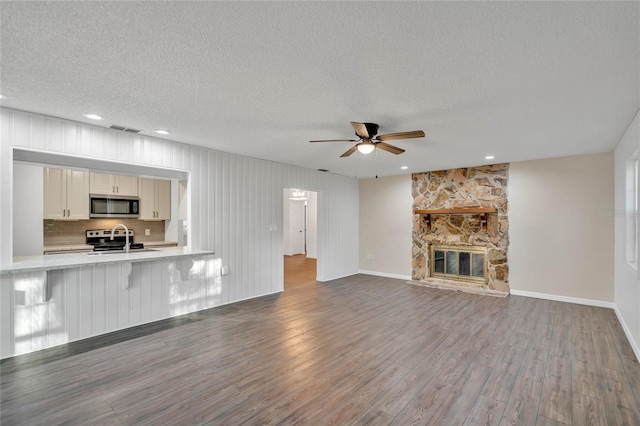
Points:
(358, 350)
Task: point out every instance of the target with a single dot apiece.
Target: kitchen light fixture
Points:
(366, 147)
(489, 157)
(298, 195)
(404, 167)
(93, 116)
(162, 131)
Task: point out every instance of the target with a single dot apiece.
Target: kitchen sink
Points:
(100, 253)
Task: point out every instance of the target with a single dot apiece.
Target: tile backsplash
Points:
(61, 232)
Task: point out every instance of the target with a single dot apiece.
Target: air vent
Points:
(124, 129)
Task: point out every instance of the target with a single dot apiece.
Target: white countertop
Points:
(78, 247)
(79, 260)
(67, 247)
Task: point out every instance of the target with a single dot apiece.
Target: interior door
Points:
(296, 227)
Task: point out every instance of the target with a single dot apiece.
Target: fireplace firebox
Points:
(461, 263)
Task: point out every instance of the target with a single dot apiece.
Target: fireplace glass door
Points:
(463, 263)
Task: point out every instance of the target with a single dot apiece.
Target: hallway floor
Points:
(299, 271)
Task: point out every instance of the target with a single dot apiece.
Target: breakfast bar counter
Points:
(78, 260)
(50, 300)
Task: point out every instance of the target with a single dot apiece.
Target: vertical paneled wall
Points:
(234, 200)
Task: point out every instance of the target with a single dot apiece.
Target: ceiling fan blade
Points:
(401, 135)
(335, 140)
(389, 148)
(350, 151)
(361, 130)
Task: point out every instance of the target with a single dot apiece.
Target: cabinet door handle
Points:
(68, 213)
(113, 189)
(64, 213)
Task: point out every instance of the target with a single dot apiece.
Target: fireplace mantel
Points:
(482, 211)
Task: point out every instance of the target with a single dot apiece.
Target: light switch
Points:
(147, 232)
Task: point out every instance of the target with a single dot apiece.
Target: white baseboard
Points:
(632, 342)
(334, 278)
(577, 300)
(385, 275)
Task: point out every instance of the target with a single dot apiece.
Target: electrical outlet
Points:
(369, 257)
(224, 270)
(147, 232)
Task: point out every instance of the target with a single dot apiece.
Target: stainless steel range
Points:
(101, 240)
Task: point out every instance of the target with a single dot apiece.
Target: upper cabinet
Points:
(155, 199)
(66, 194)
(106, 184)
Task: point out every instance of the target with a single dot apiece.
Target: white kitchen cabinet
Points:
(66, 194)
(155, 199)
(108, 184)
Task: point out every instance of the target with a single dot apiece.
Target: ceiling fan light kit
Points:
(366, 147)
(368, 141)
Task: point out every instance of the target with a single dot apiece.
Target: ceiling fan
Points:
(368, 141)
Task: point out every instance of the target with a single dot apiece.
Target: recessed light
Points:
(94, 116)
(162, 131)
(489, 157)
(404, 167)
(2, 96)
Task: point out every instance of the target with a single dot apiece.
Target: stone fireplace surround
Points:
(463, 188)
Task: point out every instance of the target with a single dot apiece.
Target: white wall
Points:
(234, 201)
(560, 235)
(28, 207)
(557, 215)
(312, 225)
(627, 285)
(386, 217)
(286, 234)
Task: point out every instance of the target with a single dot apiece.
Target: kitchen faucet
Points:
(126, 233)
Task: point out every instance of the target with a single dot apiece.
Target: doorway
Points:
(300, 237)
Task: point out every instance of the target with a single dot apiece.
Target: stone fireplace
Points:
(460, 229)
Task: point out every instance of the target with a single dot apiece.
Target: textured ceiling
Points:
(519, 80)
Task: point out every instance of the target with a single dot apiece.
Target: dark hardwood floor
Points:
(358, 350)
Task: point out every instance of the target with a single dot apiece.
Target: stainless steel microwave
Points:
(105, 206)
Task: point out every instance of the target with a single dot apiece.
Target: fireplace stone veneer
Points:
(464, 188)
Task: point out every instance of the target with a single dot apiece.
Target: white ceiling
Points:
(519, 80)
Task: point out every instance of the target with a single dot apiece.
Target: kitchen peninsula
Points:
(52, 300)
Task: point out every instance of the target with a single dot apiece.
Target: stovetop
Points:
(101, 240)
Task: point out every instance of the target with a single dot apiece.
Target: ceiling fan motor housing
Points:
(372, 129)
